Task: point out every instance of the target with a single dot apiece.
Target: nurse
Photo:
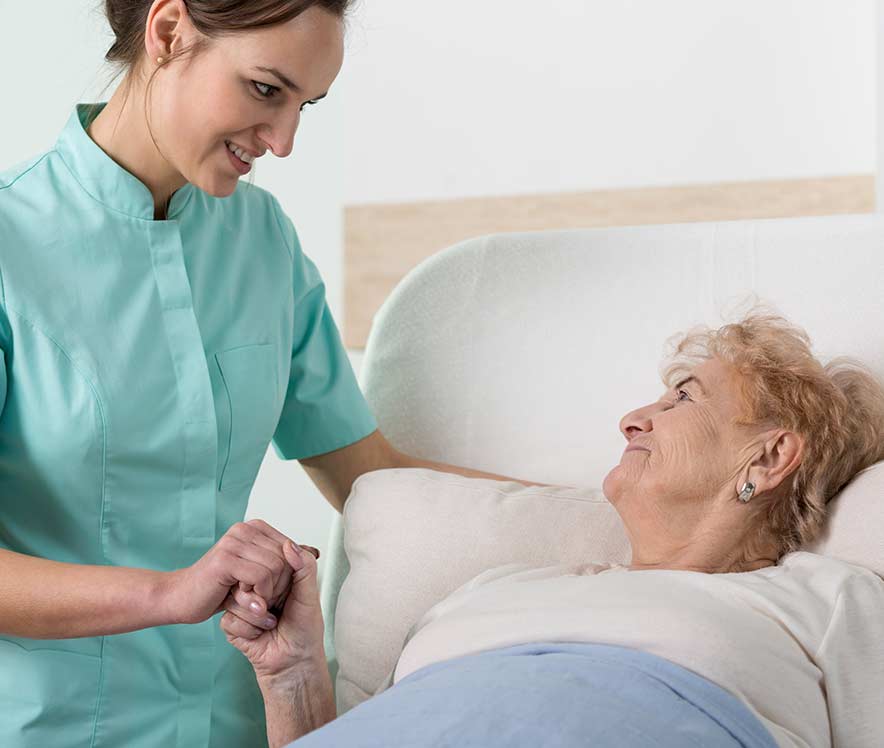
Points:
(159, 327)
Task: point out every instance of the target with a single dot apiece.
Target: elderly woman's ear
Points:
(780, 455)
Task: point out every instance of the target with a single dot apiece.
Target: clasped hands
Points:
(267, 586)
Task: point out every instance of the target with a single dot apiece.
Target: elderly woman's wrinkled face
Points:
(684, 448)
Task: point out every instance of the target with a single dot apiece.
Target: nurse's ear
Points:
(168, 30)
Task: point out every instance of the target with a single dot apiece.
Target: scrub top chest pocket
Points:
(247, 406)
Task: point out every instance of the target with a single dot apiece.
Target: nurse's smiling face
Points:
(195, 105)
(222, 95)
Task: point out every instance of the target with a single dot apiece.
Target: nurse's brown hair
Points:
(212, 18)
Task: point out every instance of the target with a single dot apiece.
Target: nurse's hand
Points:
(245, 568)
(252, 608)
(297, 642)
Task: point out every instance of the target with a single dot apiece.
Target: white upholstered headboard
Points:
(519, 353)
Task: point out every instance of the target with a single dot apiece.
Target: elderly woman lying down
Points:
(719, 632)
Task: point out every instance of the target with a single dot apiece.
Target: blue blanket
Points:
(548, 695)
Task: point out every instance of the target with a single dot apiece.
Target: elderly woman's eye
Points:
(679, 398)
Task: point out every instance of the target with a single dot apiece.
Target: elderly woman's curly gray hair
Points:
(838, 408)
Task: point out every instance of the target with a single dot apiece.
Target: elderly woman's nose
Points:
(637, 422)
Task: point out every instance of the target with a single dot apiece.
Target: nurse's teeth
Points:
(240, 153)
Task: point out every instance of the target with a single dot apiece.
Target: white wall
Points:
(457, 98)
(502, 97)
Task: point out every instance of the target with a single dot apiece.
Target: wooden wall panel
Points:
(383, 242)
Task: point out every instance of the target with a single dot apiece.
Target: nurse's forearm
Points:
(41, 599)
(298, 704)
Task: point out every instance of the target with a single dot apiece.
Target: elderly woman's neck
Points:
(704, 566)
(713, 541)
(704, 552)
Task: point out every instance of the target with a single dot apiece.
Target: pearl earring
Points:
(160, 60)
(746, 491)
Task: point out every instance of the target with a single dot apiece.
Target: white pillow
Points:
(854, 530)
(413, 536)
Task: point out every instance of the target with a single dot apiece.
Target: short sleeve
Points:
(851, 658)
(324, 408)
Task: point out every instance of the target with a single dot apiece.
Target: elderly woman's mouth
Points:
(635, 448)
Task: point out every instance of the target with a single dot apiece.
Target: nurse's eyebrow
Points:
(288, 84)
(291, 85)
(691, 378)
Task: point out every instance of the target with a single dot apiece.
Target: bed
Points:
(548, 338)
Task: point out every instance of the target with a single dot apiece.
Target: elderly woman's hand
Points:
(296, 643)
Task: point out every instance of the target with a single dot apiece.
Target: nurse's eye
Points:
(309, 103)
(271, 90)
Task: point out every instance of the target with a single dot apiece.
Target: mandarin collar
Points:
(102, 177)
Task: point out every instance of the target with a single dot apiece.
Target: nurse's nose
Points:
(281, 138)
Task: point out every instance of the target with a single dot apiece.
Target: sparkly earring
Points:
(746, 491)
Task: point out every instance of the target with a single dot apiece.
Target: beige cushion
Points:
(413, 536)
(854, 530)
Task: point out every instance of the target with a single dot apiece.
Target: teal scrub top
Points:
(145, 366)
